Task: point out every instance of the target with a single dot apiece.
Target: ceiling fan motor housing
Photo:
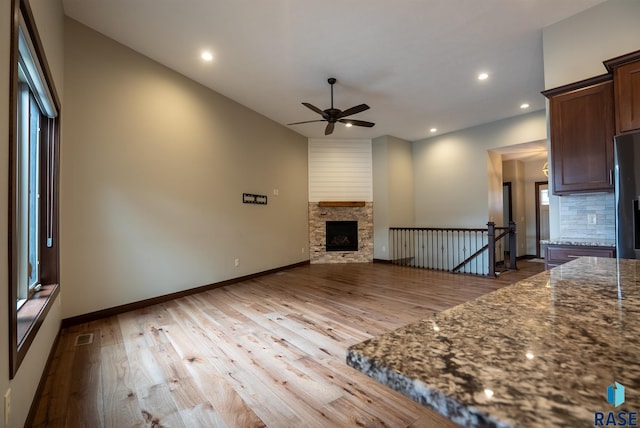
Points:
(334, 114)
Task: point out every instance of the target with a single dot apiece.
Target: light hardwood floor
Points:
(269, 351)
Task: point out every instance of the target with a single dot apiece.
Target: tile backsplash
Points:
(575, 211)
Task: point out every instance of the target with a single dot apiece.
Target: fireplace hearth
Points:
(341, 236)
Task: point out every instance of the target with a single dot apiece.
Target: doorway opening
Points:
(516, 169)
(542, 216)
(507, 211)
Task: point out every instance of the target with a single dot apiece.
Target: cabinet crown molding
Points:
(613, 63)
(577, 85)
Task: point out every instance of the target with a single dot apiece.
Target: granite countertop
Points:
(590, 242)
(540, 352)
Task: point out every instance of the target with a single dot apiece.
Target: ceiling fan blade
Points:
(329, 129)
(353, 110)
(306, 121)
(316, 109)
(357, 122)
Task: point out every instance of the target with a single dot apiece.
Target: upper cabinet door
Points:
(626, 83)
(582, 131)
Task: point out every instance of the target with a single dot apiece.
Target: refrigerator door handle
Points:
(610, 177)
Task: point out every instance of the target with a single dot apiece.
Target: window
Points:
(33, 169)
(28, 192)
(544, 196)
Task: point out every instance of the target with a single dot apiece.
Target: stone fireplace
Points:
(342, 218)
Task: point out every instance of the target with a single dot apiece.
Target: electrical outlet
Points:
(302, 250)
(276, 192)
(591, 219)
(7, 407)
(237, 262)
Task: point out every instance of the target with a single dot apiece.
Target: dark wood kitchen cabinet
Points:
(558, 254)
(582, 129)
(626, 84)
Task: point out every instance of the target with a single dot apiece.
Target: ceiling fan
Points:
(333, 115)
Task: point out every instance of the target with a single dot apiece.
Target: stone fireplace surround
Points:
(321, 212)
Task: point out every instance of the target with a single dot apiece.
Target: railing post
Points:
(392, 247)
(513, 245)
(491, 241)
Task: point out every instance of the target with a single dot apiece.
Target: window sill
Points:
(33, 312)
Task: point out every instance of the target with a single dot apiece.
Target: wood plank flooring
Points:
(269, 351)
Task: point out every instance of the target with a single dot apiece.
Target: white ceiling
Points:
(414, 62)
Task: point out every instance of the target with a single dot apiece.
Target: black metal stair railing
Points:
(475, 251)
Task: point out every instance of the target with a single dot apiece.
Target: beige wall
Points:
(494, 189)
(575, 47)
(393, 190)
(451, 171)
(5, 32)
(153, 170)
(49, 20)
(401, 204)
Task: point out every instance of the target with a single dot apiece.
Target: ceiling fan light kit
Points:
(333, 115)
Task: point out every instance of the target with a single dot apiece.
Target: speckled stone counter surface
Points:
(591, 242)
(538, 353)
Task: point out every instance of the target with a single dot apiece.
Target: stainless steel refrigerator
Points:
(627, 176)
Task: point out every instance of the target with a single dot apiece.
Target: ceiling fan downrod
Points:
(332, 81)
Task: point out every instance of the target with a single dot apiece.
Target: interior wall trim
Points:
(116, 310)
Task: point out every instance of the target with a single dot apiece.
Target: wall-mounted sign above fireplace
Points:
(250, 198)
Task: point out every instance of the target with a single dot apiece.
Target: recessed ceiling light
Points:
(207, 56)
(483, 76)
(348, 125)
(524, 105)
(433, 130)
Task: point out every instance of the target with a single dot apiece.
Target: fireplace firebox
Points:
(342, 235)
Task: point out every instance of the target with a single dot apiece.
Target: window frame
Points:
(24, 322)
